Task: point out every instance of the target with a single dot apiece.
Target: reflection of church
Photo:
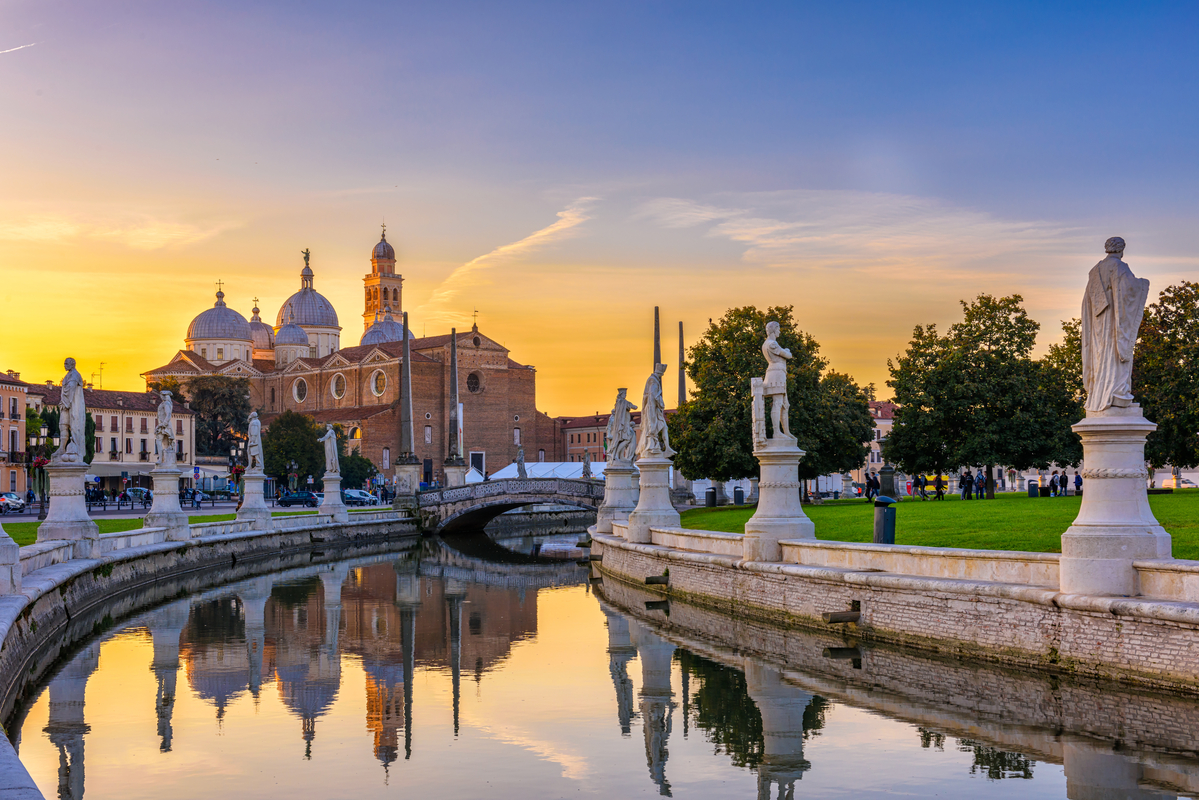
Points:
(299, 364)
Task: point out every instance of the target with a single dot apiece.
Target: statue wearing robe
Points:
(1112, 310)
(332, 464)
(620, 434)
(162, 430)
(72, 420)
(254, 443)
(655, 438)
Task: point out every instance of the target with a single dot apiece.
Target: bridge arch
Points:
(473, 506)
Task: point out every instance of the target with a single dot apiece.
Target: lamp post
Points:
(38, 457)
(292, 475)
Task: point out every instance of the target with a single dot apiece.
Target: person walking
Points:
(939, 486)
(922, 486)
(966, 484)
(1077, 482)
(980, 485)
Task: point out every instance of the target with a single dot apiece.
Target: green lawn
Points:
(24, 533)
(1010, 522)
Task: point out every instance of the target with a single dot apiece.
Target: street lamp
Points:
(37, 461)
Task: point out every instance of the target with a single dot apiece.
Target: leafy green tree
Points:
(33, 424)
(975, 395)
(50, 417)
(356, 469)
(89, 429)
(293, 437)
(171, 384)
(222, 406)
(713, 431)
(1166, 376)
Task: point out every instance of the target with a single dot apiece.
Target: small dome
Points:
(261, 334)
(219, 322)
(291, 335)
(384, 330)
(309, 307)
(383, 249)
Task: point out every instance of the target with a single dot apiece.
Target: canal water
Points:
(469, 671)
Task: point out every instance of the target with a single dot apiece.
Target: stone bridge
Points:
(470, 507)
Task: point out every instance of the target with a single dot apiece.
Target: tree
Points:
(50, 417)
(293, 437)
(356, 469)
(1165, 376)
(975, 395)
(171, 384)
(222, 406)
(713, 431)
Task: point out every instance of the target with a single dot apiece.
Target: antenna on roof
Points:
(100, 373)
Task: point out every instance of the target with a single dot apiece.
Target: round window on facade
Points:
(379, 383)
(478, 341)
(428, 415)
(473, 383)
(299, 390)
(338, 387)
(516, 417)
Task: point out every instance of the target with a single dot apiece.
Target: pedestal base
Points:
(67, 519)
(166, 512)
(654, 509)
(253, 504)
(10, 564)
(407, 485)
(332, 505)
(780, 514)
(455, 474)
(621, 494)
(1115, 525)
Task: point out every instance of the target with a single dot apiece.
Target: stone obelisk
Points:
(455, 466)
(407, 468)
(657, 339)
(682, 371)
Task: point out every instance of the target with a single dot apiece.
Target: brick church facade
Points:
(299, 365)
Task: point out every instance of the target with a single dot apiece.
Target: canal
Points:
(472, 668)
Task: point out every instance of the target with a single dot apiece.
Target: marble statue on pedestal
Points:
(72, 420)
(655, 437)
(774, 384)
(521, 472)
(254, 444)
(622, 439)
(332, 463)
(586, 464)
(163, 432)
(1112, 310)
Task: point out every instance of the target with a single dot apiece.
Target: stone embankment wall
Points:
(547, 522)
(64, 601)
(1000, 607)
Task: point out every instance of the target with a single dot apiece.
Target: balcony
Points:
(114, 456)
(143, 455)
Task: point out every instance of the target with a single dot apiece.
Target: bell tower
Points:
(383, 286)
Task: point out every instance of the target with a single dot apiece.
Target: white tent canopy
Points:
(552, 469)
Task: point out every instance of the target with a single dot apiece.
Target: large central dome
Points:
(308, 307)
(222, 322)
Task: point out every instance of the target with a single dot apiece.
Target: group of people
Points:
(921, 485)
(1059, 485)
(972, 486)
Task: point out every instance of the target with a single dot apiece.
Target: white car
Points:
(361, 498)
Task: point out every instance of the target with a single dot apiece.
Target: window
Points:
(112, 444)
(178, 427)
(386, 458)
(478, 341)
(299, 390)
(572, 438)
(12, 480)
(13, 443)
(143, 450)
(355, 433)
(99, 423)
(878, 434)
(541, 455)
(99, 444)
(272, 397)
(338, 386)
(113, 426)
(203, 352)
(378, 383)
(179, 448)
(478, 460)
(144, 429)
(220, 354)
(12, 408)
(128, 424)
(129, 446)
(516, 436)
(474, 383)
(395, 298)
(428, 434)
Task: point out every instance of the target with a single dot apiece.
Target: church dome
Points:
(383, 249)
(308, 306)
(291, 334)
(384, 330)
(219, 322)
(261, 334)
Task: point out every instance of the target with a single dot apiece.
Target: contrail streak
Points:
(15, 49)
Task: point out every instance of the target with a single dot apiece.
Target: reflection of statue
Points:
(586, 464)
(774, 385)
(520, 464)
(1112, 309)
(254, 443)
(332, 465)
(620, 434)
(655, 438)
(162, 430)
(72, 420)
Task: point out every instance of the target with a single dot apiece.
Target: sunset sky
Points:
(562, 168)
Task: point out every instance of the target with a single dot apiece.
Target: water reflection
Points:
(724, 707)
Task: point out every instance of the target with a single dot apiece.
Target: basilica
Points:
(299, 364)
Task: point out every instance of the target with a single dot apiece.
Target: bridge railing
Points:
(562, 487)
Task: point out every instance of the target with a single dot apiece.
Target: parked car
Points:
(357, 497)
(139, 494)
(307, 499)
(1180, 483)
(11, 501)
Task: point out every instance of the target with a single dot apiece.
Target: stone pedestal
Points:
(654, 509)
(780, 513)
(847, 489)
(455, 474)
(67, 519)
(886, 480)
(782, 707)
(166, 511)
(620, 495)
(332, 505)
(253, 504)
(1115, 525)
(406, 486)
(10, 564)
(754, 491)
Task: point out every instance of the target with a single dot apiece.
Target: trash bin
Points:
(710, 497)
(884, 520)
(738, 496)
(1032, 489)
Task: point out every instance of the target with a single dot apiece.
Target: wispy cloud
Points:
(864, 231)
(472, 273)
(140, 232)
(20, 47)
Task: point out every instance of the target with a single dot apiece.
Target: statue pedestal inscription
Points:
(620, 495)
(654, 509)
(253, 505)
(407, 484)
(332, 505)
(166, 511)
(780, 514)
(1115, 525)
(67, 519)
(455, 474)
